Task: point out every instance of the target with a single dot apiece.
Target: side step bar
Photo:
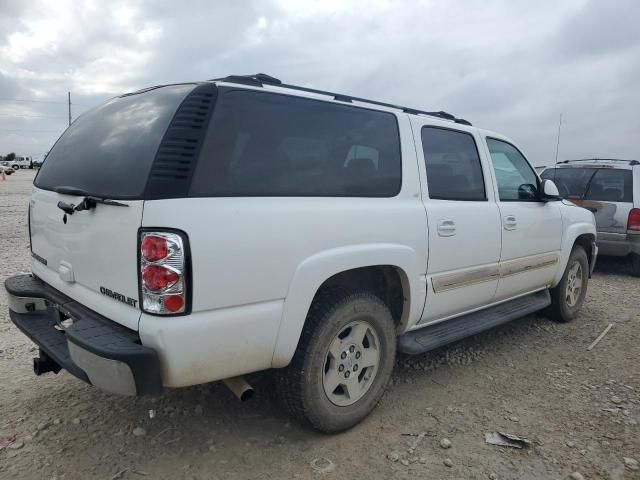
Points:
(434, 336)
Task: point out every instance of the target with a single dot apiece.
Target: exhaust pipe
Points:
(44, 363)
(239, 387)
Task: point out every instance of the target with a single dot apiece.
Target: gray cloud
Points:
(506, 66)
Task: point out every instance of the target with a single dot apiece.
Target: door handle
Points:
(446, 228)
(510, 222)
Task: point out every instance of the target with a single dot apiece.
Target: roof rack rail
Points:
(630, 162)
(259, 79)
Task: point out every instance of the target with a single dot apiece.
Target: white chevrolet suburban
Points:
(196, 232)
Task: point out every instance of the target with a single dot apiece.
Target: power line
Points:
(20, 115)
(28, 130)
(30, 100)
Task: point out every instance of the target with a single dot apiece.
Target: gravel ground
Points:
(534, 378)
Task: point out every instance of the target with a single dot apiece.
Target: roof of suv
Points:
(598, 162)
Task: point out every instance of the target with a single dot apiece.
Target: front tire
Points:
(343, 362)
(568, 296)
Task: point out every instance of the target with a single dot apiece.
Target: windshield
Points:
(108, 151)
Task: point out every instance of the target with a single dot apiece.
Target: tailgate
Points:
(106, 153)
(92, 257)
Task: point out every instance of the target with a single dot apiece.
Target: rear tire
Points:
(568, 296)
(343, 361)
(635, 265)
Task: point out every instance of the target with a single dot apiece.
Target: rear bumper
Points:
(93, 348)
(618, 244)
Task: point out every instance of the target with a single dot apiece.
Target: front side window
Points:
(454, 171)
(517, 181)
(265, 144)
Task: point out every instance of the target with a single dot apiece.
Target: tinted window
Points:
(109, 150)
(516, 179)
(571, 182)
(453, 166)
(609, 185)
(264, 144)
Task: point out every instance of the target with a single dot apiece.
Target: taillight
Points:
(156, 278)
(154, 248)
(163, 272)
(634, 220)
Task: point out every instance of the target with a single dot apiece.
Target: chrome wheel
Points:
(351, 363)
(574, 284)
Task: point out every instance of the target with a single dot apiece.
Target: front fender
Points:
(572, 232)
(315, 270)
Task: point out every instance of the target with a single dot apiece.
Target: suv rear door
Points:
(610, 198)
(91, 255)
(463, 220)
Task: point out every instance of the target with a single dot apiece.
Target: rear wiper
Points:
(88, 203)
(65, 190)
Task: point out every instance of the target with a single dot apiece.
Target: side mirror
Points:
(550, 190)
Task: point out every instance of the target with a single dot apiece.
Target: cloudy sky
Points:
(507, 66)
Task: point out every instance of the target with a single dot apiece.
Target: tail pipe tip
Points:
(239, 387)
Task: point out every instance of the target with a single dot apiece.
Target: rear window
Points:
(609, 185)
(571, 182)
(108, 151)
(601, 184)
(264, 144)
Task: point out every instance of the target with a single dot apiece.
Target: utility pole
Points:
(69, 103)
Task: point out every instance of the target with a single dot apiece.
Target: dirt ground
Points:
(534, 378)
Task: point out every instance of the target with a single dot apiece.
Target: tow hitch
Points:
(44, 363)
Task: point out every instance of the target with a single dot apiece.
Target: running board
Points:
(434, 336)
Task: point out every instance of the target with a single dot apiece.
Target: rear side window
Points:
(108, 151)
(611, 185)
(571, 182)
(264, 144)
(453, 166)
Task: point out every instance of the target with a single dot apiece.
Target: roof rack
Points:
(630, 162)
(259, 79)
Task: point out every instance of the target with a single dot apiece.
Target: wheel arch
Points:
(582, 234)
(389, 270)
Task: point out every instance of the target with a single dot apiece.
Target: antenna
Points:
(558, 142)
(555, 164)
